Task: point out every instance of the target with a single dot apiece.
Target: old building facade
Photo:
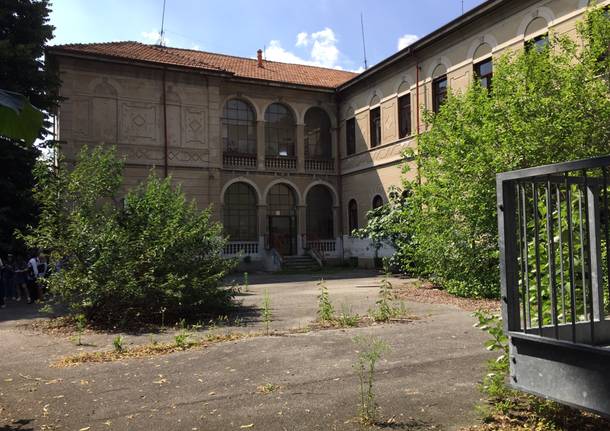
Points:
(290, 157)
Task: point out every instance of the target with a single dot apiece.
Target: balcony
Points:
(282, 163)
(242, 161)
(319, 165)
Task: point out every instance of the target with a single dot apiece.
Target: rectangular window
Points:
(350, 136)
(375, 128)
(404, 116)
(439, 92)
(484, 73)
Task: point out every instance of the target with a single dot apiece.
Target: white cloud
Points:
(406, 40)
(153, 36)
(302, 39)
(321, 49)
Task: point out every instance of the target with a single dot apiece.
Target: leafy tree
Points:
(24, 32)
(127, 259)
(546, 106)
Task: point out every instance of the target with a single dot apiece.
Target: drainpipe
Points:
(164, 97)
(339, 177)
(417, 68)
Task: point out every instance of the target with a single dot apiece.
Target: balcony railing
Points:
(278, 162)
(240, 248)
(323, 245)
(320, 165)
(239, 160)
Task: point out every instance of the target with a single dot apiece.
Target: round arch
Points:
(240, 180)
(109, 85)
(333, 192)
(243, 98)
(331, 115)
(291, 109)
(486, 39)
(290, 184)
(405, 84)
(441, 62)
(541, 12)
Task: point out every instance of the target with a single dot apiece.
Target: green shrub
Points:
(558, 98)
(124, 260)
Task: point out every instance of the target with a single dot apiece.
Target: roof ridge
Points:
(184, 57)
(254, 59)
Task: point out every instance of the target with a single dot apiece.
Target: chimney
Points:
(259, 56)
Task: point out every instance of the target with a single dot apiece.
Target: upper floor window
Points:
(538, 43)
(318, 140)
(238, 128)
(279, 131)
(404, 116)
(439, 92)
(350, 136)
(484, 72)
(375, 126)
(377, 202)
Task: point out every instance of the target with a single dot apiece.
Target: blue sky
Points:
(321, 32)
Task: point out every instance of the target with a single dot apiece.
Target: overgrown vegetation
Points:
(558, 98)
(370, 351)
(125, 260)
(266, 312)
(326, 311)
(507, 409)
(386, 308)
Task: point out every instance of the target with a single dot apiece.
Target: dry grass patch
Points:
(147, 350)
(427, 292)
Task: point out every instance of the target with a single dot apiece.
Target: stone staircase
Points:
(300, 263)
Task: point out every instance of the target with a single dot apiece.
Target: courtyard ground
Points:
(300, 381)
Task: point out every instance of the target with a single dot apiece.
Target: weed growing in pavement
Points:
(266, 312)
(81, 322)
(326, 312)
(267, 388)
(118, 344)
(370, 351)
(385, 308)
(182, 339)
(347, 318)
(246, 282)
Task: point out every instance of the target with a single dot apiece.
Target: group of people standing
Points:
(20, 278)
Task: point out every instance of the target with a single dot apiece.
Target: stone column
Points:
(301, 228)
(260, 144)
(300, 148)
(263, 226)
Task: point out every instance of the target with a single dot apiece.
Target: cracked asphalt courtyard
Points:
(428, 380)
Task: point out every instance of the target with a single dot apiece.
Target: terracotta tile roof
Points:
(236, 66)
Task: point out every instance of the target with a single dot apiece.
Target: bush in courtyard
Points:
(127, 259)
(546, 106)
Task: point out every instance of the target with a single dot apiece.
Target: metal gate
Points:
(554, 263)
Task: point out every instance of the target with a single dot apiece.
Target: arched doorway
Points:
(282, 215)
(319, 214)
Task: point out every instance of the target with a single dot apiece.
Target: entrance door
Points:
(281, 234)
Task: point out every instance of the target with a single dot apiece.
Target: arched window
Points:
(238, 128)
(279, 131)
(240, 212)
(377, 201)
(352, 215)
(317, 134)
(319, 213)
(281, 200)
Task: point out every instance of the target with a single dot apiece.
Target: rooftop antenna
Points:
(366, 66)
(462, 7)
(161, 35)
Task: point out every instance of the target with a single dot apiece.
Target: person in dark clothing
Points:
(21, 279)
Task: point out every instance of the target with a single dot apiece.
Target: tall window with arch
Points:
(319, 213)
(318, 141)
(240, 212)
(238, 128)
(352, 215)
(280, 131)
